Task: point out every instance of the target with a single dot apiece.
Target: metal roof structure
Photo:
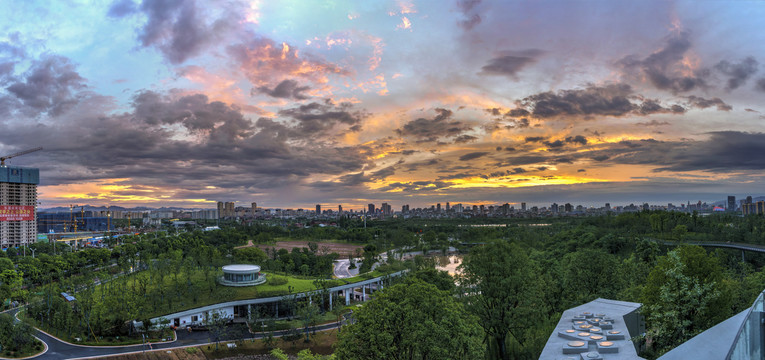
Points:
(600, 329)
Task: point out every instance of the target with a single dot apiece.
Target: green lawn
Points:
(194, 290)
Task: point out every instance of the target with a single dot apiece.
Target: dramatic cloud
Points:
(180, 102)
(650, 106)
(51, 85)
(702, 103)
(317, 119)
(431, 130)
(287, 89)
(738, 73)
(761, 85)
(610, 100)
(262, 61)
(724, 151)
(510, 62)
(177, 28)
(221, 122)
(665, 68)
(472, 156)
(472, 18)
(122, 8)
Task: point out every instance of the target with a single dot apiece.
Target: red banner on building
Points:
(16, 213)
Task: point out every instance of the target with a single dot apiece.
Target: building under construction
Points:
(18, 206)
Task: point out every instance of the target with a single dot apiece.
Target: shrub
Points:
(191, 350)
(277, 280)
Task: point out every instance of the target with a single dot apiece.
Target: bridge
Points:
(730, 245)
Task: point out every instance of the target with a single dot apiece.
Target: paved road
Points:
(58, 350)
(343, 270)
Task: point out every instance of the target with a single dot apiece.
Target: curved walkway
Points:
(58, 349)
(739, 246)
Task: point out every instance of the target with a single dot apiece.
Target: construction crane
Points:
(3, 158)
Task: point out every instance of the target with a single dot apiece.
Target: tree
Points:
(307, 313)
(411, 321)
(679, 232)
(502, 289)
(370, 256)
(685, 294)
(11, 282)
(216, 322)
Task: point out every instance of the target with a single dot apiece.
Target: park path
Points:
(59, 350)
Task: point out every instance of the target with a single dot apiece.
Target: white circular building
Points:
(241, 275)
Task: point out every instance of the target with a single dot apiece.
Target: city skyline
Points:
(181, 103)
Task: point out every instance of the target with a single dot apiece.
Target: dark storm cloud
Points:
(287, 89)
(661, 67)
(521, 123)
(224, 148)
(579, 139)
(702, 103)
(471, 17)
(760, 86)
(422, 164)
(737, 73)
(472, 156)
(650, 106)
(610, 100)
(464, 139)
(194, 112)
(120, 8)
(462, 175)
(51, 85)
(10, 55)
(724, 151)
(355, 179)
(554, 144)
(178, 30)
(315, 119)
(430, 130)
(534, 139)
(508, 63)
(652, 123)
(416, 186)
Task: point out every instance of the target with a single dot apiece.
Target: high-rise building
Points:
(340, 209)
(554, 208)
(568, 207)
(371, 209)
(318, 209)
(731, 203)
(254, 208)
(385, 209)
(447, 206)
(749, 199)
(18, 206)
(230, 212)
(438, 207)
(523, 206)
(221, 209)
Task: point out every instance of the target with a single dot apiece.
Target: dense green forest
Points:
(517, 277)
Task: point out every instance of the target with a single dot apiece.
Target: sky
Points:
(295, 103)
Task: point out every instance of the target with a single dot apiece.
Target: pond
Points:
(449, 263)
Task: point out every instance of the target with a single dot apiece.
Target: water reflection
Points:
(449, 263)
